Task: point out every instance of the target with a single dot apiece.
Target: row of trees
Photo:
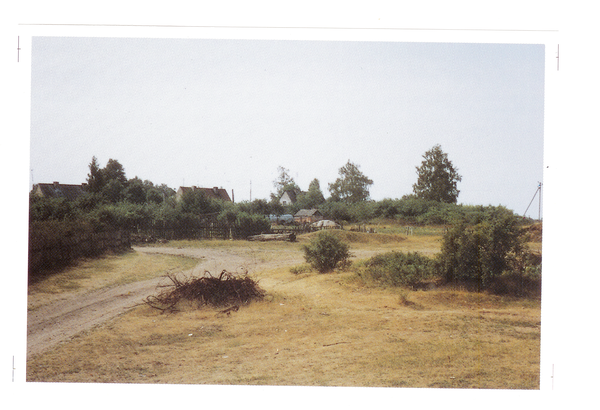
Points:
(437, 181)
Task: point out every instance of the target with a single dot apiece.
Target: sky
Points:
(228, 113)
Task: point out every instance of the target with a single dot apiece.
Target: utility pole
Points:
(537, 191)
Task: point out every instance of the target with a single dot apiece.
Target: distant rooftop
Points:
(58, 190)
(214, 193)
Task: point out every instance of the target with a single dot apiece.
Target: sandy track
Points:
(74, 313)
(60, 320)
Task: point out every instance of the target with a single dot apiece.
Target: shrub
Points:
(399, 269)
(484, 251)
(251, 224)
(44, 209)
(337, 211)
(326, 251)
(411, 206)
(386, 208)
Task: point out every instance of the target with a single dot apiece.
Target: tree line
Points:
(112, 200)
(436, 183)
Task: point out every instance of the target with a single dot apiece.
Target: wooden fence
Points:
(47, 252)
(209, 231)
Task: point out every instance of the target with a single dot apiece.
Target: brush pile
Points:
(224, 290)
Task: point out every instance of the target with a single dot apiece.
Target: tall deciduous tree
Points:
(114, 171)
(352, 186)
(115, 181)
(437, 177)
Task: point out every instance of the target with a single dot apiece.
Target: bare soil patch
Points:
(63, 316)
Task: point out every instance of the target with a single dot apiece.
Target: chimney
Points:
(232, 196)
(55, 183)
(216, 190)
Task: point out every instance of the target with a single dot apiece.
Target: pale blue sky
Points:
(226, 112)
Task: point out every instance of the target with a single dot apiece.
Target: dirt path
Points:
(73, 313)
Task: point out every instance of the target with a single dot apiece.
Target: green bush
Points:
(326, 251)
(386, 208)
(398, 269)
(45, 209)
(484, 251)
(336, 211)
(251, 224)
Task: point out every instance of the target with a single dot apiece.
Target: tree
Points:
(312, 198)
(109, 181)
(94, 179)
(113, 191)
(437, 177)
(114, 171)
(352, 186)
(284, 183)
(135, 191)
(196, 202)
(165, 191)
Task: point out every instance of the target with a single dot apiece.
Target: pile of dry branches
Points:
(224, 290)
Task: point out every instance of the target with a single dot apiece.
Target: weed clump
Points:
(223, 290)
(299, 269)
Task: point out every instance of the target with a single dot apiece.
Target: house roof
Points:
(56, 190)
(214, 193)
(307, 212)
(291, 194)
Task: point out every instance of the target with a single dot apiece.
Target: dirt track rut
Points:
(62, 319)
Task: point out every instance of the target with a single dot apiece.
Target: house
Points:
(213, 193)
(288, 198)
(304, 216)
(58, 190)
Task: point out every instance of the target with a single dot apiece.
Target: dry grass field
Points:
(311, 329)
